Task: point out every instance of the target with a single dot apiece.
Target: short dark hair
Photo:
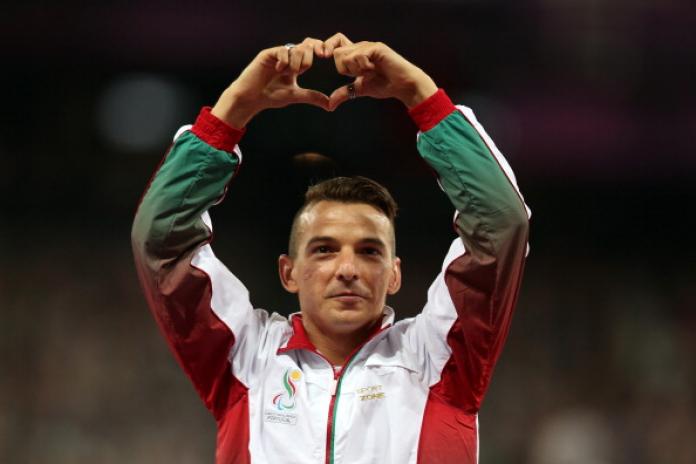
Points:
(354, 189)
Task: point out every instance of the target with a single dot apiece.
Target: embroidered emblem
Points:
(285, 400)
(373, 392)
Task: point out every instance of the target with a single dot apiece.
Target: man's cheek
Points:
(308, 274)
(311, 275)
(379, 275)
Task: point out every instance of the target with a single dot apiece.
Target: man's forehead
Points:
(327, 213)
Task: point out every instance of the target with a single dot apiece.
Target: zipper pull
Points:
(334, 385)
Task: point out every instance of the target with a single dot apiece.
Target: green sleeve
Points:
(169, 222)
(490, 209)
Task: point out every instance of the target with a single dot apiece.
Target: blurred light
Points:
(313, 167)
(311, 159)
(573, 437)
(141, 112)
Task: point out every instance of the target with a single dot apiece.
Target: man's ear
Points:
(285, 267)
(395, 281)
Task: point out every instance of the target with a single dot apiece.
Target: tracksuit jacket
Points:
(412, 392)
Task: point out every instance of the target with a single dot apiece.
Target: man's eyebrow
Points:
(321, 238)
(367, 240)
(373, 241)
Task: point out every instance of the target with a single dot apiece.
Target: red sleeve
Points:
(216, 132)
(428, 113)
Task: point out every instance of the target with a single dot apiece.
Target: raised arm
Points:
(202, 309)
(471, 302)
(461, 331)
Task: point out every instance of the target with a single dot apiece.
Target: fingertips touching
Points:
(337, 40)
(328, 49)
(319, 49)
(316, 45)
(338, 97)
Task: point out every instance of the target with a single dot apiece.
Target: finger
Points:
(342, 61)
(310, 97)
(336, 41)
(319, 49)
(358, 64)
(282, 58)
(352, 66)
(307, 59)
(317, 45)
(342, 39)
(296, 55)
(365, 85)
(364, 63)
(342, 94)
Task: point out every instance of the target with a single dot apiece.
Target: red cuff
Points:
(216, 132)
(428, 113)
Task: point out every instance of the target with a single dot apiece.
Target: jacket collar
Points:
(299, 340)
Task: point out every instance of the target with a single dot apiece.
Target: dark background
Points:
(591, 101)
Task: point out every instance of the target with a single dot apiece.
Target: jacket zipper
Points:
(335, 393)
(329, 423)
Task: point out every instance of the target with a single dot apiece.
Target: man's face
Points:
(343, 268)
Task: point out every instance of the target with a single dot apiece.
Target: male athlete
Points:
(339, 381)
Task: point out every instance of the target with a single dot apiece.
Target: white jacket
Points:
(412, 392)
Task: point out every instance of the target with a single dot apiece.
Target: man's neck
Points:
(336, 347)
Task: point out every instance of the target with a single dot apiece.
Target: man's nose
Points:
(346, 268)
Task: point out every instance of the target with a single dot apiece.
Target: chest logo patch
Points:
(285, 400)
(373, 392)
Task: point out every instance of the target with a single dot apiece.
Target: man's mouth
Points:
(347, 297)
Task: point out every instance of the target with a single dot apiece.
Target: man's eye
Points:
(371, 251)
(322, 249)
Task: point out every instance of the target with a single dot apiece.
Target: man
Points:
(339, 382)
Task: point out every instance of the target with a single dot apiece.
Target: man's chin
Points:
(346, 319)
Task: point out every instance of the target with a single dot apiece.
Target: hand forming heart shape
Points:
(270, 80)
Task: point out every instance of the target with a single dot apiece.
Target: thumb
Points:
(343, 93)
(310, 97)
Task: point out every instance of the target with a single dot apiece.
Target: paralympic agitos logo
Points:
(285, 400)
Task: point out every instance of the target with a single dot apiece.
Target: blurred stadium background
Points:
(593, 103)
